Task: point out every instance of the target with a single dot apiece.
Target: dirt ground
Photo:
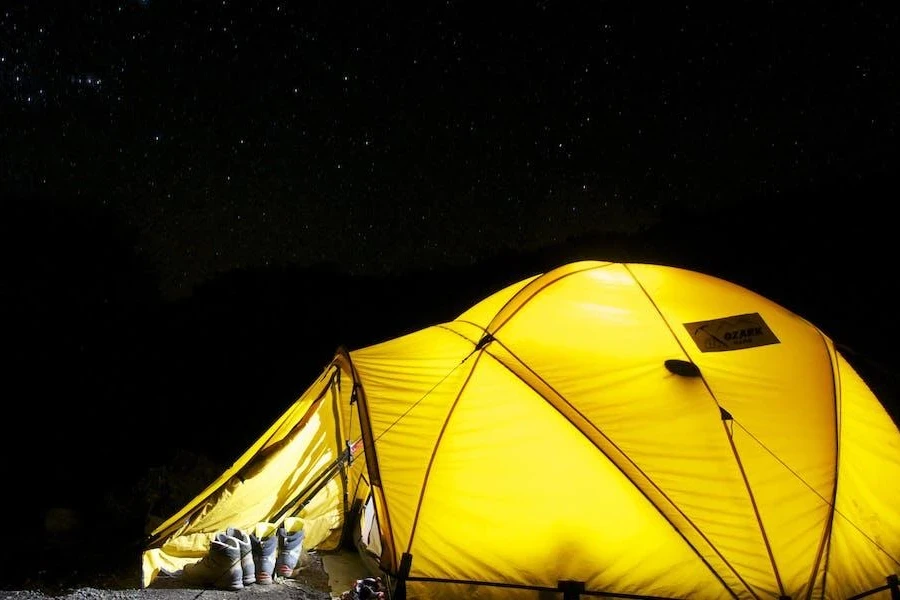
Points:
(321, 577)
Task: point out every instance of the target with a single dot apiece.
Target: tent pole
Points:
(388, 559)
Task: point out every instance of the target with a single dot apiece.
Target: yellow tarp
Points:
(293, 454)
(541, 438)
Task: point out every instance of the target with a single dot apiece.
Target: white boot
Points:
(290, 538)
(221, 567)
(243, 540)
(264, 542)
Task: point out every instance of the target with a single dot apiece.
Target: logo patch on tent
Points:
(731, 333)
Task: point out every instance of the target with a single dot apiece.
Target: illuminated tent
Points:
(601, 428)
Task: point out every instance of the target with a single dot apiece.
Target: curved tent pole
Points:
(388, 559)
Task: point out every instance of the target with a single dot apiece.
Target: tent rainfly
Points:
(602, 429)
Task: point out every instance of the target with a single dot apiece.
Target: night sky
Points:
(202, 200)
(386, 138)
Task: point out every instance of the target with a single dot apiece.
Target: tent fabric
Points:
(546, 436)
(268, 479)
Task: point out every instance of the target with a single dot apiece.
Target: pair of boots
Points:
(277, 551)
(237, 559)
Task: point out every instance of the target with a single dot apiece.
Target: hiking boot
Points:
(290, 538)
(264, 544)
(220, 568)
(247, 567)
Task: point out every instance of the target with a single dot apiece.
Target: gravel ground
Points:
(288, 590)
(310, 583)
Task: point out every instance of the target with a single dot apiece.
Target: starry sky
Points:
(383, 137)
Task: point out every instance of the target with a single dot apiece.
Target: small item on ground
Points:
(370, 588)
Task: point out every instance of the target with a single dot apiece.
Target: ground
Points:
(321, 577)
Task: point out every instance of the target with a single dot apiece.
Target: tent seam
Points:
(759, 520)
(437, 443)
(493, 329)
(377, 487)
(825, 547)
(425, 395)
(639, 470)
(712, 395)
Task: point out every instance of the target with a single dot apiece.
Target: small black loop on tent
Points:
(682, 367)
(726, 416)
(893, 583)
(487, 339)
(571, 590)
(353, 393)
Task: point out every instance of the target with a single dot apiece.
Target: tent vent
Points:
(726, 416)
(487, 339)
(682, 367)
(571, 590)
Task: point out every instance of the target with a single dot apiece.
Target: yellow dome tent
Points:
(603, 429)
